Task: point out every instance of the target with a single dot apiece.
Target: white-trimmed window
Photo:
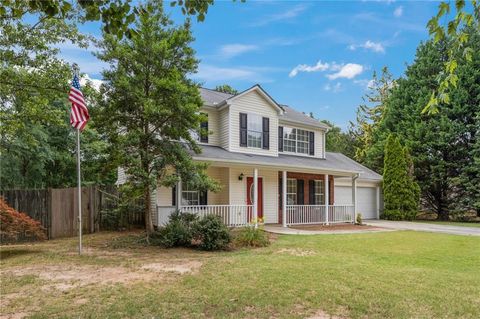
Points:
(291, 191)
(190, 197)
(254, 131)
(296, 140)
(319, 192)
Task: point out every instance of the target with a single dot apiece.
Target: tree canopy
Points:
(149, 106)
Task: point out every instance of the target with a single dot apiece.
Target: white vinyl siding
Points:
(213, 126)
(224, 128)
(238, 190)
(253, 103)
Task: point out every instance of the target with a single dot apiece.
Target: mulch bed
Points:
(335, 227)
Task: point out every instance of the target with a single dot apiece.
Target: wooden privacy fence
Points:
(57, 209)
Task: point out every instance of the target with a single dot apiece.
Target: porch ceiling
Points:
(334, 163)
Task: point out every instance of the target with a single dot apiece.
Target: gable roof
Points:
(218, 99)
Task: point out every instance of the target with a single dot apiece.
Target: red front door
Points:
(259, 197)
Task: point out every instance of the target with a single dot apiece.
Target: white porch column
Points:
(327, 198)
(378, 202)
(179, 195)
(354, 197)
(255, 196)
(284, 198)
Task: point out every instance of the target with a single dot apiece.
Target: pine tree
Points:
(401, 192)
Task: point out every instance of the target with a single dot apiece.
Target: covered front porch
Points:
(259, 194)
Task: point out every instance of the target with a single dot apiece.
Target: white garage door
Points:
(366, 199)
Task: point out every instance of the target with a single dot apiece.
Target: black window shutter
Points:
(204, 131)
(311, 192)
(312, 143)
(266, 132)
(280, 138)
(280, 188)
(174, 195)
(203, 197)
(300, 192)
(243, 129)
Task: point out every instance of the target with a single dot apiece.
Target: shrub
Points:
(212, 233)
(251, 237)
(177, 233)
(16, 226)
(359, 219)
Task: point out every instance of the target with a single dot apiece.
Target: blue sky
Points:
(315, 56)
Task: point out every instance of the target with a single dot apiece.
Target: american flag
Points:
(79, 114)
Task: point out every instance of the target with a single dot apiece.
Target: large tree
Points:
(370, 115)
(37, 145)
(441, 144)
(338, 141)
(150, 106)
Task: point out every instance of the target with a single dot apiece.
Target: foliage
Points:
(16, 226)
(149, 96)
(212, 233)
(251, 237)
(37, 144)
(459, 43)
(399, 189)
(338, 141)
(225, 88)
(370, 115)
(359, 220)
(178, 232)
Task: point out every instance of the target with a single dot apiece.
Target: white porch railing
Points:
(231, 215)
(315, 214)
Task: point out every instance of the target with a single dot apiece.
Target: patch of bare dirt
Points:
(297, 252)
(336, 227)
(17, 315)
(64, 278)
(185, 267)
(320, 314)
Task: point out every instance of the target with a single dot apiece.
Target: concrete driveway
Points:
(434, 228)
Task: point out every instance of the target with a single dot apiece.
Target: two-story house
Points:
(271, 163)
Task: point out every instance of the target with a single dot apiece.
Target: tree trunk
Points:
(148, 212)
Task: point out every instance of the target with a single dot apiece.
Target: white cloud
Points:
(337, 87)
(286, 15)
(347, 71)
(398, 11)
(367, 84)
(307, 68)
(232, 50)
(369, 45)
(96, 83)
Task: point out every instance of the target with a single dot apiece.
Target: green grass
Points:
(463, 224)
(377, 275)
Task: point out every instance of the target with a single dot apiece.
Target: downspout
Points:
(354, 196)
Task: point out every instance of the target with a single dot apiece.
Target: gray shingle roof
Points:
(212, 97)
(299, 117)
(333, 161)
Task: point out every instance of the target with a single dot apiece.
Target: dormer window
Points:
(254, 131)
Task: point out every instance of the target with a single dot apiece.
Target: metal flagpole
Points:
(79, 195)
(79, 181)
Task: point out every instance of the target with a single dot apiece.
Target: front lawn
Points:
(378, 275)
(447, 223)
